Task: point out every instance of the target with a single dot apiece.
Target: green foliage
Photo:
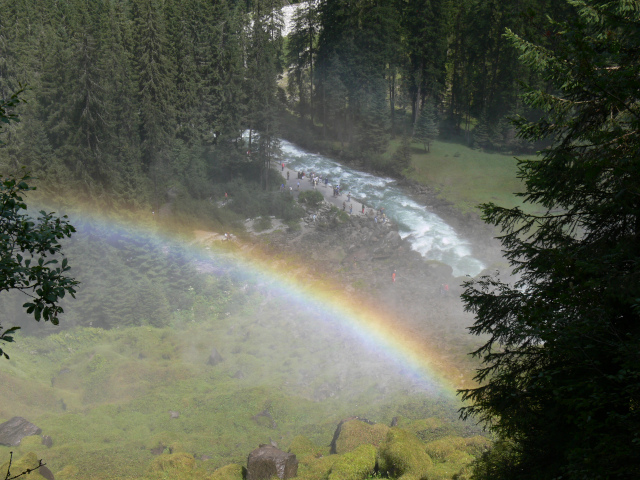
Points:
(263, 223)
(30, 251)
(249, 201)
(402, 156)
(501, 461)
(312, 198)
(426, 130)
(560, 375)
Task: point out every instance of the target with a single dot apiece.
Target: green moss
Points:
(403, 455)
(355, 433)
(176, 464)
(69, 472)
(311, 468)
(456, 463)
(430, 429)
(440, 450)
(355, 465)
(232, 471)
(301, 446)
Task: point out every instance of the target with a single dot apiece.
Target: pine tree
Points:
(402, 156)
(482, 132)
(561, 374)
(155, 80)
(374, 125)
(300, 56)
(427, 127)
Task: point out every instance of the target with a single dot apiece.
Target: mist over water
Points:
(429, 234)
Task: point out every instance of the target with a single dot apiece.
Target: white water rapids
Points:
(427, 232)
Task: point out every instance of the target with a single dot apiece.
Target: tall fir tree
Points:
(426, 130)
(560, 380)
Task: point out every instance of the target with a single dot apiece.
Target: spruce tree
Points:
(374, 126)
(427, 127)
(402, 156)
(561, 375)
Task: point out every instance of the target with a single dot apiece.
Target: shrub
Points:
(262, 223)
(312, 198)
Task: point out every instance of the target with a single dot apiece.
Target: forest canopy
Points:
(131, 99)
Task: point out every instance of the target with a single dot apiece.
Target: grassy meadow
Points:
(464, 176)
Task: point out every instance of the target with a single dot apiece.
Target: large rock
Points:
(266, 461)
(13, 431)
(214, 358)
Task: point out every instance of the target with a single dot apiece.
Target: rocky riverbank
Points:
(362, 255)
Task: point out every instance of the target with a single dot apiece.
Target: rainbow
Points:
(373, 325)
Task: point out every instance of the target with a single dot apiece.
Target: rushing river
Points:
(428, 233)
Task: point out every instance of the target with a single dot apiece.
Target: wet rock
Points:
(174, 414)
(47, 441)
(266, 461)
(264, 419)
(214, 358)
(13, 431)
(159, 450)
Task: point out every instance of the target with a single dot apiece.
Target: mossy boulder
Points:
(27, 462)
(353, 433)
(232, 471)
(301, 446)
(177, 464)
(403, 455)
(356, 465)
(440, 450)
(311, 468)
